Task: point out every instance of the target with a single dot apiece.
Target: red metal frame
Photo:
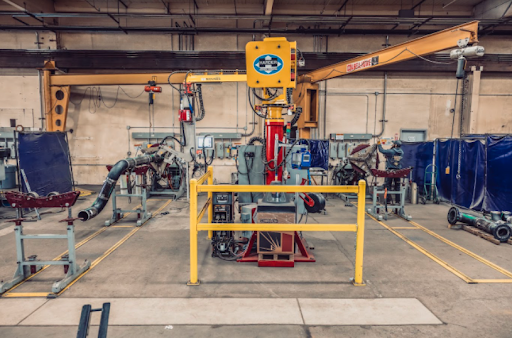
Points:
(399, 173)
(21, 200)
(274, 128)
(302, 256)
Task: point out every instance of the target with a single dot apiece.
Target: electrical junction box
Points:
(301, 160)
(333, 150)
(271, 63)
(337, 137)
(227, 149)
(342, 150)
(220, 150)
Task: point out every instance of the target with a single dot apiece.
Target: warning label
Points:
(362, 64)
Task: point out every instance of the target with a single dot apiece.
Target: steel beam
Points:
(160, 62)
(408, 50)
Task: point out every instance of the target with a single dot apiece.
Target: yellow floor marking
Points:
(405, 228)
(427, 253)
(458, 273)
(26, 294)
(112, 249)
(8, 293)
(490, 281)
(464, 250)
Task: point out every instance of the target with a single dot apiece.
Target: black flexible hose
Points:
(110, 183)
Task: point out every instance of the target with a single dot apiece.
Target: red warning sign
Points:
(362, 64)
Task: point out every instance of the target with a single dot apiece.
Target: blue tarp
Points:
(464, 184)
(478, 177)
(498, 194)
(418, 155)
(44, 157)
(319, 153)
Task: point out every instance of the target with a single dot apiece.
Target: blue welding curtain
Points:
(319, 153)
(45, 159)
(464, 185)
(418, 155)
(498, 194)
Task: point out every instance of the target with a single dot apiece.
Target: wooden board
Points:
(481, 234)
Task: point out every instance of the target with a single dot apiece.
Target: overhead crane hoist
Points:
(272, 68)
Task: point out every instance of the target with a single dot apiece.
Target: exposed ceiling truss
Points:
(255, 16)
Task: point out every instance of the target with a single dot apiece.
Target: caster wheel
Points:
(53, 193)
(139, 223)
(107, 223)
(437, 201)
(385, 217)
(423, 200)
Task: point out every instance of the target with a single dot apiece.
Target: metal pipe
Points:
(498, 228)
(41, 100)
(183, 31)
(110, 183)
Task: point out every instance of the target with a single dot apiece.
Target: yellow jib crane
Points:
(305, 87)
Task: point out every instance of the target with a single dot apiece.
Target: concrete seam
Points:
(300, 310)
(31, 313)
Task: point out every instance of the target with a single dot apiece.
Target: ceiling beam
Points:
(493, 9)
(195, 30)
(33, 6)
(123, 61)
(267, 7)
(342, 6)
(418, 4)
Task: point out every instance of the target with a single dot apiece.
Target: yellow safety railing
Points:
(196, 186)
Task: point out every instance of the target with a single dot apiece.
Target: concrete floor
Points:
(154, 263)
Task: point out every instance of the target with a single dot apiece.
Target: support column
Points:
(471, 102)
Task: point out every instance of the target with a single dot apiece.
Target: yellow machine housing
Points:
(271, 63)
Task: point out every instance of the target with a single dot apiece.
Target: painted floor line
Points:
(112, 249)
(443, 263)
(10, 294)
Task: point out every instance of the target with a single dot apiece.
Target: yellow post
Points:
(361, 205)
(210, 207)
(193, 233)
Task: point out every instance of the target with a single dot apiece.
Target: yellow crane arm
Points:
(428, 44)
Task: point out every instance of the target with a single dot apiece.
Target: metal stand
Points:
(379, 210)
(142, 213)
(31, 266)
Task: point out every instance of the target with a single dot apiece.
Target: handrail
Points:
(196, 186)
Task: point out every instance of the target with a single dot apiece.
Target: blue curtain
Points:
(498, 195)
(44, 157)
(319, 153)
(418, 155)
(464, 185)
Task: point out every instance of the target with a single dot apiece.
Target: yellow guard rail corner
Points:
(196, 186)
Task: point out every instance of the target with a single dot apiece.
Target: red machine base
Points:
(302, 256)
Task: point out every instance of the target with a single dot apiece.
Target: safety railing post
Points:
(210, 207)
(193, 233)
(361, 205)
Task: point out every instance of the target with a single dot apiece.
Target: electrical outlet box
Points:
(333, 150)
(342, 150)
(227, 149)
(220, 150)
